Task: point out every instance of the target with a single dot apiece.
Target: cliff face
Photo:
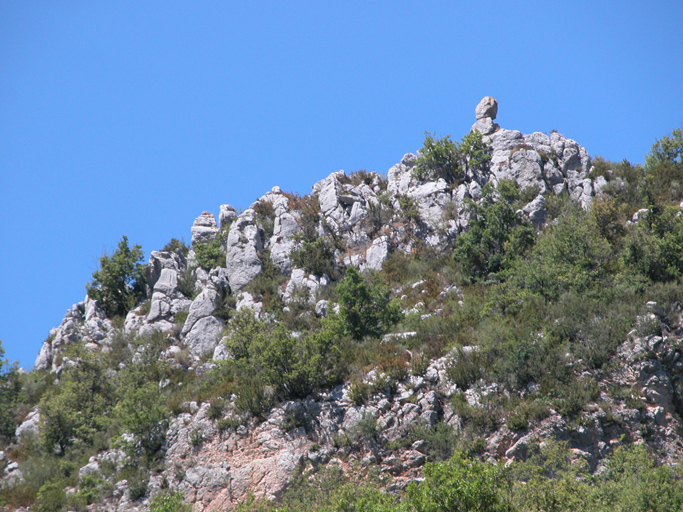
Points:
(365, 218)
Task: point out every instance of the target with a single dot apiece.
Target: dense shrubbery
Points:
(315, 257)
(295, 366)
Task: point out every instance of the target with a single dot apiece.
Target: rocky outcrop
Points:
(364, 217)
(204, 228)
(243, 247)
(84, 322)
(486, 112)
(215, 462)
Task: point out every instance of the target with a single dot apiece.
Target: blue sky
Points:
(133, 117)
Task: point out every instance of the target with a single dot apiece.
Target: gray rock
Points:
(536, 211)
(204, 305)
(29, 426)
(204, 335)
(246, 300)
(204, 228)
(221, 352)
(226, 216)
(321, 308)
(487, 107)
(485, 126)
(91, 468)
(244, 243)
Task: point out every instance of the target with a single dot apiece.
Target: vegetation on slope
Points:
(543, 309)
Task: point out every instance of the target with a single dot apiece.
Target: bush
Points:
(315, 257)
(177, 246)
(452, 161)
(143, 412)
(460, 484)
(295, 366)
(654, 247)
(211, 254)
(496, 234)
(120, 282)
(364, 307)
(50, 498)
(169, 502)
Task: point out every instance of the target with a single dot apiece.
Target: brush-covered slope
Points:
(499, 298)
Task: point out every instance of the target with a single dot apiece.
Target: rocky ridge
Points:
(365, 217)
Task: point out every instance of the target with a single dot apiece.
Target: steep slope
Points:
(241, 368)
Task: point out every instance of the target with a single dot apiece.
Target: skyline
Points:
(131, 119)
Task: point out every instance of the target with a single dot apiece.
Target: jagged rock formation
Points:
(365, 218)
(365, 213)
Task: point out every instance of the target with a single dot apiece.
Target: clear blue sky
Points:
(132, 117)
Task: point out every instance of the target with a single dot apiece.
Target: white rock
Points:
(30, 425)
(204, 228)
(244, 243)
(227, 215)
(203, 306)
(377, 253)
(487, 107)
(204, 335)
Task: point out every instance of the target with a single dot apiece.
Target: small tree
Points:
(496, 234)
(452, 161)
(460, 484)
(120, 282)
(666, 149)
(169, 502)
(365, 308)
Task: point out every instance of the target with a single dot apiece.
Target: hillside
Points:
(500, 310)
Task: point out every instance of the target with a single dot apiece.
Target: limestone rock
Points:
(485, 126)
(226, 216)
(204, 228)
(244, 243)
(536, 211)
(29, 426)
(204, 335)
(377, 253)
(487, 107)
(204, 305)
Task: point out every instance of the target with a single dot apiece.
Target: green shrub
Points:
(187, 282)
(466, 368)
(216, 408)
(138, 483)
(527, 412)
(460, 484)
(364, 307)
(196, 437)
(440, 440)
(177, 246)
(50, 498)
(120, 282)
(209, 255)
(409, 207)
(315, 257)
(496, 234)
(229, 423)
(654, 247)
(265, 217)
(142, 411)
(443, 158)
(169, 502)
